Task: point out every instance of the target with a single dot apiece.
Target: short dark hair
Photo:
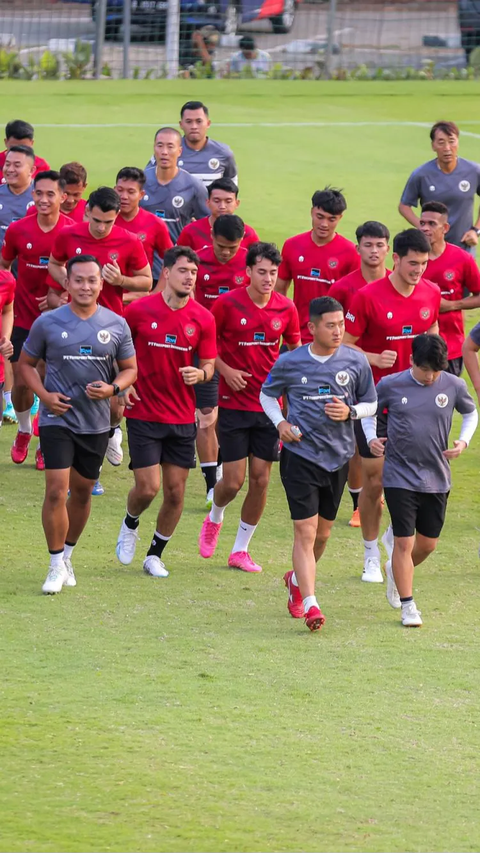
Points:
(330, 200)
(372, 228)
(247, 43)
(73, 173)
(193, 105)
(49, 175)
(229, 226)
(430, 351)
(435, 207)
(323, 305)
(22, 149)
(132, 173)
(172, 255)
(260, 250)
(82, 259)
(448, 127)
(168, 130)
(410, 240)
(18, 129)
(105, 198)
(225, 184)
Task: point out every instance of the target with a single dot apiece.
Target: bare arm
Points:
(57, 270)
(237, 380)
(7, 321)
(460, 304)
(140, 281)
(469, 352)
(55, 298)
(433, 330)
(282, 285)
(383, 360)
(203, 373)
(4, 265)
(406, 211)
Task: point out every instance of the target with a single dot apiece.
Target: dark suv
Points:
(469, 21)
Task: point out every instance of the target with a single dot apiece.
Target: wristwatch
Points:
(477, 230)
(116, 389)
(353, 413)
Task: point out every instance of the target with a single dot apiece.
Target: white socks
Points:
(244, 534)
(7, 396)
(68, 551)
(56, 560)
(217, 513)
(24, 421)
(371, 549)
(310, 601)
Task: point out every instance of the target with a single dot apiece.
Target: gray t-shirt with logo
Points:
(215, 160)
(457, 190)
(77, 352)
(177, 203)
(12, 207)
(308, 384)
(419, 421)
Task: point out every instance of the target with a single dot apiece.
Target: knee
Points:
(373, 485)
(206, 418)
(81, 496)
(259, 483)
(428, 546)
(173, 496)
(55, 495)
(148, 493)
(232, 483)
(404, 545)
(322, 538)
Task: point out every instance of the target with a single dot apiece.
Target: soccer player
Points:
(383, 319)
(82, 344)
(168, 329)
(16, 192)
(75, 177)
(250, 322)
(151, 230)
(470, 350)
(317, 258)
(19, 132)
(449, 179)
(7, 292)
(172, 193)
(416, 475)
(455, 272)
(222, 268)
(29, 241)
(222, 199)
(327, 385)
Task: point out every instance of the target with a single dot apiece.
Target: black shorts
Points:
(19, 336)
(206, 393)
(63, 448)
(421, 511)
(310, 489)
(154, 444)
(243, 433)
(362, 445)
(455, 366)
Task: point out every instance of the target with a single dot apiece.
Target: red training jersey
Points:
(454, 271)
(41, 165)
(166, 340)
(7, 292)
(214, 278)
(248, 338)
(345, 288)
(384, 319)
(25, 240)
(198, 234)
(150, 230)
(120, 246)
(314, 268)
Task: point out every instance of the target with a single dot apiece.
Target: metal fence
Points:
(136, 38)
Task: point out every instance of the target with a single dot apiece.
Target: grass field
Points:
(193, 714)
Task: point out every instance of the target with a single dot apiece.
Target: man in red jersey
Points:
(372, 246)
(222, 269)
(222, 199)
(383, 318)
(168, 330)
(455, 272)
(7, 292)
(75, 177)
(30, 241)
(250, 323)
(20, 132)
(317, 258)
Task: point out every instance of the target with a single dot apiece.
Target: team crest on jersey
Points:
(239, 279)
(189, 330)
(104, 336)
(64, 335)
(29, 246)
(449, 274)
(342, 377)
(113, 256)
(142, 236)
(213, 163)
(333, 262)
(154, 325)
(178, 201)
(464, 186)
(441, 400)
(276, 324)
(389, 315)
(404, 401)
(424, 313)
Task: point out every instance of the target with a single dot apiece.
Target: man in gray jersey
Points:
(172, 193)
(416, 477)
(204, 158)
(449, 179)
(16, 192)
(327, 387)
(80, 343)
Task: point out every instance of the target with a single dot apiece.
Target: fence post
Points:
(173, 38)
(100, 19)
(127, 34)
(332, 12)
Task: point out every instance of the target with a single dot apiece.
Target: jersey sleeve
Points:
(337, 291)
(437, 293)
(137, 258)
(284, 270)
(356, 318)
(35, 345)
(231, 168)
(9, 248)
(163, 241)
(291, 335)
(411, 193)
(200, 208)
(353, 260)
(125, 346)
(365, 391)
(130, 317)
(59, 248)
(207, 346)
(275, 383)
(218, 312)
(184, 238)
(471, 275)
(464, 402)
(475, 335)
(478, 178)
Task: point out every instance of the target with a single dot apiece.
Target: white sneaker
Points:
(387, 540)
(114, 451)
(393, 597)
(372, 571)
(219, 472)
(126, 544)
(71, 579)
(154, 566)
(57, 576)
(411, 617)
(209, 501)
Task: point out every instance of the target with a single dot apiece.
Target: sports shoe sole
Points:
(316, 623)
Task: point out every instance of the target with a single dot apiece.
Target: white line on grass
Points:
(273, 125)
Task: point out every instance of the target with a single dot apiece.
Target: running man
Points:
(7, 293)
(222, 199)
(250, 322)
(80, 343)
(416, 475)
(327, 386)
(168, 329)
(20, 132)
(75, 177)
(150, 229)
(16, 192)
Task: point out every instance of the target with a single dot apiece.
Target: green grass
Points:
(193, 714)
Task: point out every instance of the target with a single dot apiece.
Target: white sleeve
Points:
(365, 410)
(272, 409)
(469, 425)
(369, 426)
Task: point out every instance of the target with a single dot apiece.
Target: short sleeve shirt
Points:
(215, 160)
(214, 279)
(41, 165)
(454, 272)
(13, 207)
(150, 230)
(184, 198)
(7, 292)
(199, 234)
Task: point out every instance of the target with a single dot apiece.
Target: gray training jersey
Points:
(177, 203)
(12, 207)
(214, 160)
(418, 425)
(77, 352)
(308, 385)
(457, 190)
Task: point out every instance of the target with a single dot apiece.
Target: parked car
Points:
(469, 21)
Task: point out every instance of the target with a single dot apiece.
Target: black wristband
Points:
(116, 389)
(204, 375)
